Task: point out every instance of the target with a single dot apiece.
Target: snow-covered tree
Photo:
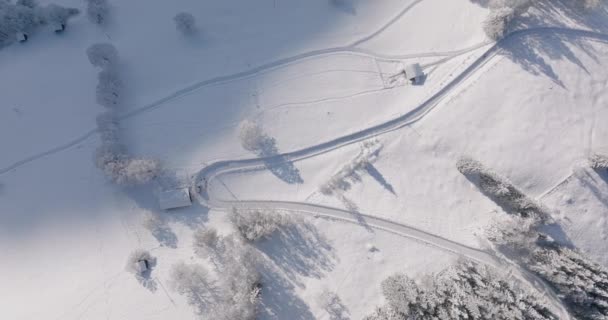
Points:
(185, 23)
(500, 189)
(239, 283)
(582, 283)
(206, 242)
(98, 11)
(110, 88)
(24, 17)
(598, 161)
(103, 55)
(253, 225)
(497, 23)
(192, 281)
(16, 18)
(124, 170)
(464, 291)
(57, 16)
(139, 171)
(252, 136)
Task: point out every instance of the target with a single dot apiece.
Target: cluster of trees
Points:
(193, 282)
(349, 173)
(19, 20)
(112, 156)
(581, 283)
(98, 11)
(598, 161)
(185, 23)
(503, 12)
(253, 225)
(332, 304)
(235, 294)
(464, 291)
(110, 88)
(253, 138)
(500, 189)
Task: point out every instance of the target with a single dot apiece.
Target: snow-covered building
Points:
(173, 199)
(414, 73)
(21, 36)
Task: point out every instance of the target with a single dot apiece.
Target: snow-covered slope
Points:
(308, 72)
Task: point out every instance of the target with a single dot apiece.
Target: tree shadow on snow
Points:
(279, 299)
(164, 235)
(535, 52)
(299, 251)
(335, 308)
(145, 278)
(591, 180)
(374, 173)
(278, 164)
(602, 173)
(294, 252)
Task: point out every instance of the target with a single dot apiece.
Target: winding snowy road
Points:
(222, 167)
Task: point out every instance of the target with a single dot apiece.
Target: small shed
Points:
(414, 73)
(173, 199)
(141, 266)
(58, 27)
(21, 36)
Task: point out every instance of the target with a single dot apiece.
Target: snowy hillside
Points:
(297, 135)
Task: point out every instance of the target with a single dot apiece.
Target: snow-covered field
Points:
(321, 80)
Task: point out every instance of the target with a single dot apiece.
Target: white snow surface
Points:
(308, 73)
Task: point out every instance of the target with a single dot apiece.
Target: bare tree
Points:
(185, 23)
(192, 281)
(252, 136)
(103, 55)
(98, 11)
(501, 190)
(497, 23)
(253, 225)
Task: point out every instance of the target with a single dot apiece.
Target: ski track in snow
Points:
(408, 118)
(349, 49)
(226, 166)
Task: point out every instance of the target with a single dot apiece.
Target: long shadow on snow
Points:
(294, 252)
(299, 250)
(547, 226)
(591, 179)
(278, 164)
(534, 53)
(374, 173)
